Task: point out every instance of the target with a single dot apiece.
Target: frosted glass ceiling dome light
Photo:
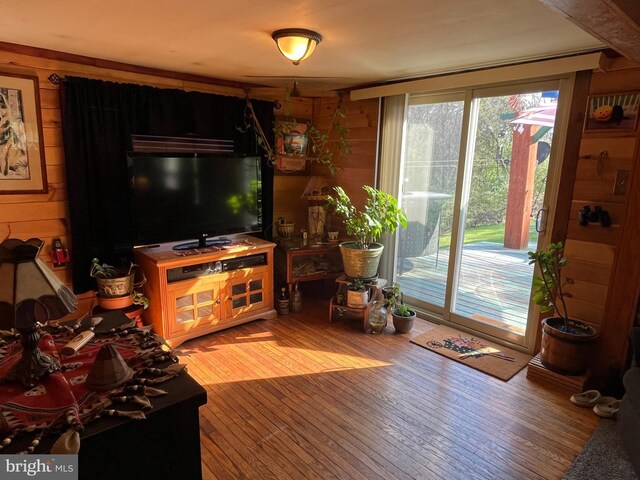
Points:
(296, 44)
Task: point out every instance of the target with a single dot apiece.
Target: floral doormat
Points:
(488, 357)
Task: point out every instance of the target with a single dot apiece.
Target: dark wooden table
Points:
(164, 446)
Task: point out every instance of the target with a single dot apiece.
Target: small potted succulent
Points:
(403, 318)
(357, 294)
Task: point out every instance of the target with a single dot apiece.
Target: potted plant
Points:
(381, 214)
(565, 341)
(357, 294)
(392, 295)
(322, 144)
(115, 285)
(403, 318)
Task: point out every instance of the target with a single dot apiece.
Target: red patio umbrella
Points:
(543, 115)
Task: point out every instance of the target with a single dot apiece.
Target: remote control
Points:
(218, 241)
(77, 343)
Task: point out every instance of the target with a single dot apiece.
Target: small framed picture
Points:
(22, 164)
(612, 113)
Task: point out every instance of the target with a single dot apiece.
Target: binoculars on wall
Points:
(597, 215)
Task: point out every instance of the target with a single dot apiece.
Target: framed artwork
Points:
(612, 113)
(22, 165)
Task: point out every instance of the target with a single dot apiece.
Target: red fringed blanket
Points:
(62, 401)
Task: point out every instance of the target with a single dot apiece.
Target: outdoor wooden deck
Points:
(495, 283)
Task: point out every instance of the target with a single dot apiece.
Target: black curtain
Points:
(98, 119)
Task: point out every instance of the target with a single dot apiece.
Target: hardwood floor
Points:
(297, 397)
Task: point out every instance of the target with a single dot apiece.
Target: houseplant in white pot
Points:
(357, 294)
(565, 341)
(381, 214)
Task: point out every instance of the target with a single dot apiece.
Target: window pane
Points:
(512, 142)
(428, 174)
(184, 301)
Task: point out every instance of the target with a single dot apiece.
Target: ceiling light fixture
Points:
(296, 44)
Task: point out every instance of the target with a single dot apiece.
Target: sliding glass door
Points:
(473, 177)
(428, 186)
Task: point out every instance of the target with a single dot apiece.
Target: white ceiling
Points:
(365, 41)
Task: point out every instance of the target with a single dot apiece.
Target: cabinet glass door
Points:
(195, 307)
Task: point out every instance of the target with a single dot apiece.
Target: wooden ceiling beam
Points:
(614, 22)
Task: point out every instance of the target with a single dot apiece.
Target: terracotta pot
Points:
(566, 352)
(114, 303)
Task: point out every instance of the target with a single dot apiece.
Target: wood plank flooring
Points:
(297, 397)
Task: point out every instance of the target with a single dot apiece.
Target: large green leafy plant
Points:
(381, 214)
(548, 287)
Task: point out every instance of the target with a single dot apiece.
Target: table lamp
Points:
(30, 295)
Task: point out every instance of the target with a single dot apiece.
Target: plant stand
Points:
(539, 373)
(338, 303)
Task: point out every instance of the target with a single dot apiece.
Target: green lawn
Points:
(490, 233)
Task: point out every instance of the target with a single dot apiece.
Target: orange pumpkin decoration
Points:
(603, 113)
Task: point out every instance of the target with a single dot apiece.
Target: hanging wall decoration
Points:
(22, 164)
(612, 113)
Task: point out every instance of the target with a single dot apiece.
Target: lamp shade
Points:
(26, 283)
(296, 44)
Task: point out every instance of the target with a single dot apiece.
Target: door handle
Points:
(541, 220)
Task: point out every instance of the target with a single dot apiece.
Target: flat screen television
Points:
(178, 197)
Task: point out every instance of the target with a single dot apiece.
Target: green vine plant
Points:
(324, 145)
(548, 286)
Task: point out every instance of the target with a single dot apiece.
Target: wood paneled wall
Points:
(355, 170)
(46, 216)
(358, 168)
(604, 262)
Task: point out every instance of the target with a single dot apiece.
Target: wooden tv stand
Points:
(199, 291)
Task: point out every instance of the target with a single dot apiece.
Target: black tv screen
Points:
(178, 197)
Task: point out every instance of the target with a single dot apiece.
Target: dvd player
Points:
(211, 268)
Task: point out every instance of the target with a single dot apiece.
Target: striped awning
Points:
(543, 116)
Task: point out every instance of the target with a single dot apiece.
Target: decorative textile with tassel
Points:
(37, 411)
